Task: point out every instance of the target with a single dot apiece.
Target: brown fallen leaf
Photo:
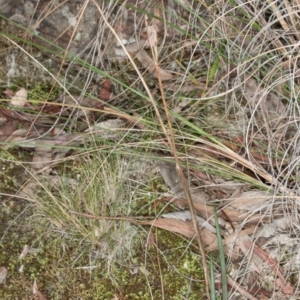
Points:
(227, 214)
(18, 136)
(9, 93)
(285, 287)
(237, 144)
(185, 215)
(243, 245)
(249, 200)
(171, 178)
(25, 117)
(184, 228)
(105, 93)
(148, 63)
(7, 129)
(47, 144)
(232, 238)
(178, 226)
(181, 105)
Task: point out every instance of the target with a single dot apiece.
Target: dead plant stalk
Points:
(152, 37)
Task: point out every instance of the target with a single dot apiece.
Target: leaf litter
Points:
(244, 215)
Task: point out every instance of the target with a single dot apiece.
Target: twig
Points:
(152, 36)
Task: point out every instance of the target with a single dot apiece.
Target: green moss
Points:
(41, 92)
(61, 267)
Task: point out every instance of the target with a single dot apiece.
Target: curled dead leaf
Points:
(152, 35)
(7, 129)
(184, 228)
(171, 178)
(105, 93)
(148, 63)
(185, 215)
(20, 98)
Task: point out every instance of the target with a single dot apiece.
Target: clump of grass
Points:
(90, 206)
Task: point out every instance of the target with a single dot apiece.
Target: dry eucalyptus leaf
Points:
(207, 212)
(48, 151)
(7, 129)
(171, 178)
(232, 242)
(181, 105)
(184, 228)
(19, 136)
(106, 129)
(169, 174)
(185, 215)
(272, 264)
(251, 200)
(20, 98)
(148, 63)
(178, 226)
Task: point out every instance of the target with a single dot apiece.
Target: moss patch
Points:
(66, 268)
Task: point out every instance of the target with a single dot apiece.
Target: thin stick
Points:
(171, 140)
